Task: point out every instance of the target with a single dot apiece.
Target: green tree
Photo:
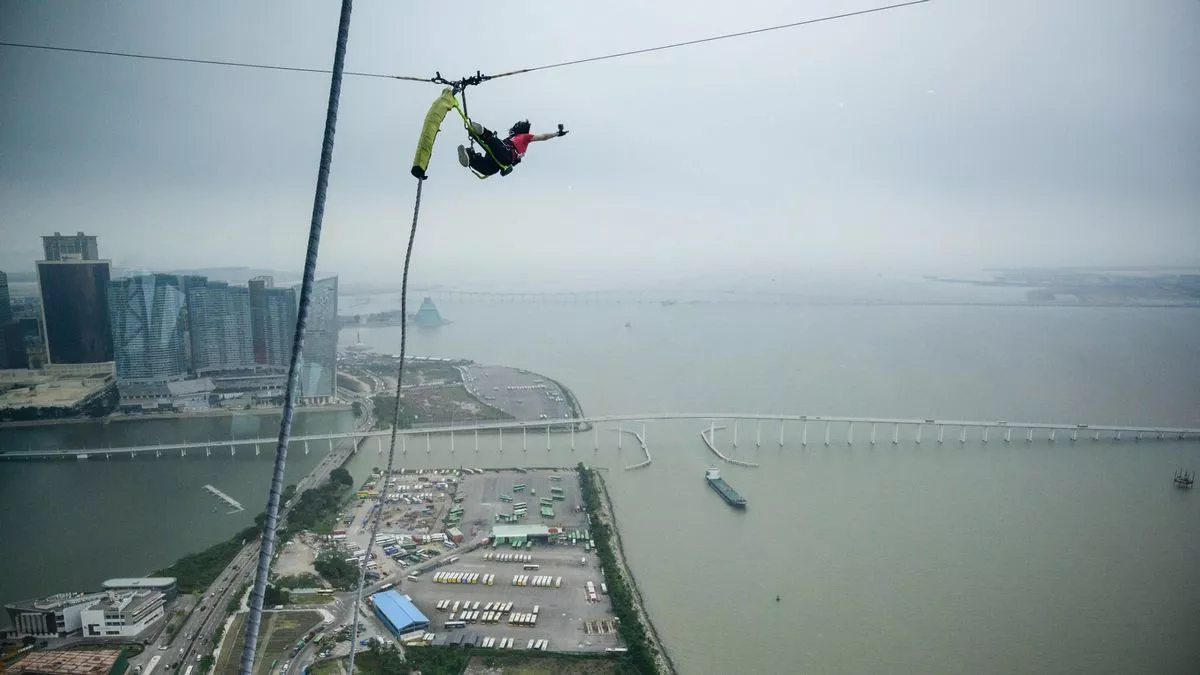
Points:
(288, 493)
(357, 407)
(342, 476)
(206, 663)
(274, 595)
(334, 568)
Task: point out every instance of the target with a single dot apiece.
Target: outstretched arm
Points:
(546, 137)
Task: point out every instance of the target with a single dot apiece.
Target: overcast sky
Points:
(950, 135)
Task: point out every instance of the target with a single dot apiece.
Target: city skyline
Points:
(171, 339)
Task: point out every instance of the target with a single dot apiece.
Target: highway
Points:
(193, 640)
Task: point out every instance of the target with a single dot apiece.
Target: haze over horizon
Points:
(931, 139)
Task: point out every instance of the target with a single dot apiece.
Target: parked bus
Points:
(532, 567)
(450, 625)
(385, 587)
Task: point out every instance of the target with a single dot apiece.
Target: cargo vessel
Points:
(713, 477)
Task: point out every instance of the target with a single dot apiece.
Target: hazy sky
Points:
(953, 134)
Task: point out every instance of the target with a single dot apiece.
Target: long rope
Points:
(207, 62)
(310, 268)
(561, 64)
(378, 515)
(713, 38)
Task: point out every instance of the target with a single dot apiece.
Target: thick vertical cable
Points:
(310, 267)
(362, 570)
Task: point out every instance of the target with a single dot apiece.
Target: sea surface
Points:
(934, 558)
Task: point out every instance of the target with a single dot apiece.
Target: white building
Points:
(165, 585)
(52, 616)
(122, 613)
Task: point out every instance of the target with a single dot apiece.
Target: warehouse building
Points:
(398, 613)
(519, 534)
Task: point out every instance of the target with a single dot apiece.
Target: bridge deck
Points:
(538, 425)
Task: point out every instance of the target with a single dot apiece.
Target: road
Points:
(194, 638)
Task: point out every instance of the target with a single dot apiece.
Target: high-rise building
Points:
(273, 322)
(258, 287)
(219, 326)
(147, 315)
(70, 247)
(75, 321)
(5, 304)
(318, 363)
(12, 345)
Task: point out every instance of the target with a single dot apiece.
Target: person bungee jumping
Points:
(501, 154)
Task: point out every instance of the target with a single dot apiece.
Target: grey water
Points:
(985, 558)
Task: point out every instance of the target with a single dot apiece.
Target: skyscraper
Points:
(147, 315)
(12, 344)
(258, 287)
(75, 310)
(5, 304)
(70, 247)
(219, 326)
(273, 322)
(318, 364)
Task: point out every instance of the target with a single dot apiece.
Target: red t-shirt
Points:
(520, 142)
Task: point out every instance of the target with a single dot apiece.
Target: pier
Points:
(237, 506)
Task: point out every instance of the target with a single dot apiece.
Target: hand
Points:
(561, 132)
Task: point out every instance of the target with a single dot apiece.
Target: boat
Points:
(1184, 479)
(727, 493)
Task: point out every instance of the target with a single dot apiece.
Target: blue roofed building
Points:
(398, 613)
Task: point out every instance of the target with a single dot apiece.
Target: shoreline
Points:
(662, 659)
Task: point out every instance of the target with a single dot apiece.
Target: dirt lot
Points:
(296, 557)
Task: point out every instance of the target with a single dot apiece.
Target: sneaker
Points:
(464, 157)
(477, 128)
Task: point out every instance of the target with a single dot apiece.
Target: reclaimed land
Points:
(646, 651)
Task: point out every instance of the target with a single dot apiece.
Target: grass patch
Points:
(277, 634)
(329, 667)
(310, 599)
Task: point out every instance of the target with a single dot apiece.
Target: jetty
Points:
(237, 506)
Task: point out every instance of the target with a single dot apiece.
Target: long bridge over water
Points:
(764, 297)
(901, 430)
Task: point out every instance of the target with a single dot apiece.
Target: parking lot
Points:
(482, 499)
(565, 617)
(524, 395)
(491, 503)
